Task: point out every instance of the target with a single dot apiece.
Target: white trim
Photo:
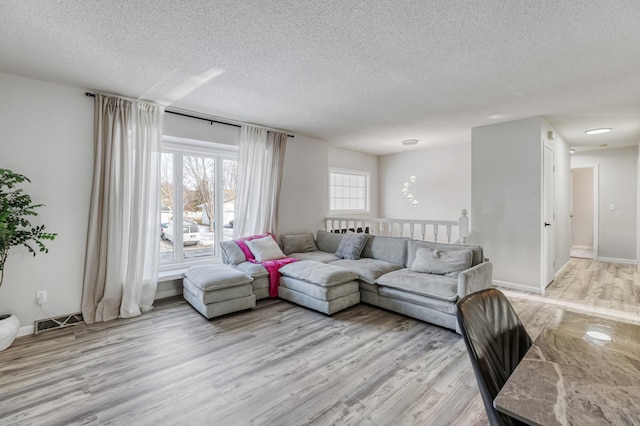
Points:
(202, 147)
(561, 270)
(515, 286)
(582, 247)
(26, 330)
(544, 267)
(638, 206)
(617, 260)
(596, 209)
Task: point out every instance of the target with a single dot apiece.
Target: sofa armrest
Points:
(475, 279)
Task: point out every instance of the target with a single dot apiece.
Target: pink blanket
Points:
(272, 266)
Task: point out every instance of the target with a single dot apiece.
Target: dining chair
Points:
(496, 341)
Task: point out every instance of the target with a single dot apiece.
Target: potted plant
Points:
(16, 210)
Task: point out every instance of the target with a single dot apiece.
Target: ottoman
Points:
(319, 286)
(215, 290)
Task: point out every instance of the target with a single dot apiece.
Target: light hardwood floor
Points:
(279, 364)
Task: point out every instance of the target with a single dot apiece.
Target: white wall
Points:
(443, 185)
(582, 222)
(304, 196)
(617, 185)
(351, 160)
(200, 130)
(46, 133)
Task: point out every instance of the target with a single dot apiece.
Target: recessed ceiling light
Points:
(572, 150)
(410, 142)
(598, 131)
(602, 145)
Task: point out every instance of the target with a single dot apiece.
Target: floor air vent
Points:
(56, 323)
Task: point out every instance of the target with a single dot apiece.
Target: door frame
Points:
(596, 204)
(544, 244)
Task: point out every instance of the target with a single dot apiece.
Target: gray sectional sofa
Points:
(420, 279)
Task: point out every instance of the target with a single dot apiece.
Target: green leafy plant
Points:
(16, 209)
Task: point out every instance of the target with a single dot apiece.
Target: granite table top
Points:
(581, 370)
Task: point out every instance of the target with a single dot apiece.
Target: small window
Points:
(348, 191)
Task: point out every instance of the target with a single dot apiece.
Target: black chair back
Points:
(496, 341)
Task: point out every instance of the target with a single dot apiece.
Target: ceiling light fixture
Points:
(412, 178)
(572, 150)
(598, 131)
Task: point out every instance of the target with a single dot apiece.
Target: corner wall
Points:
(443, 185)
(506, 199)
(304, 196)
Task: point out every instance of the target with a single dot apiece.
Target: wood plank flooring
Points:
(279, 364)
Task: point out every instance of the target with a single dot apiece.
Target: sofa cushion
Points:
(368, 270)
(414, 245)
(436, 286)
(264, 249)
(318, 256)
(390, 249)
(351, 245)
(254, 270)
(318, 273)
(317, 291)
(215, 277)
(416, 299)
(232, 253)
(298, 243)
(449, 263)
(328, 241)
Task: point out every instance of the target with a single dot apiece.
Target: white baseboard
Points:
(515, 286)
(616, 260)
(561, 270)
(25, 331)
(582, 247)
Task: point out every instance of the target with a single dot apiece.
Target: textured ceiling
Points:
(361, 74)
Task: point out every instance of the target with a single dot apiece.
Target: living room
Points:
(47, 123)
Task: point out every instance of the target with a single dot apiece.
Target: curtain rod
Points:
(210, 120)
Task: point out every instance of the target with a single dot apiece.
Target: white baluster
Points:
(435, 232)
(423, 229)
(463, 227)
(411, 230)
(448, 233)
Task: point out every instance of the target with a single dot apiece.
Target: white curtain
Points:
(121, 266)
(260, 165)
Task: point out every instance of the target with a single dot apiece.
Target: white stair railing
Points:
(411, 228)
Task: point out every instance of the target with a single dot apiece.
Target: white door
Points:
(548, 224)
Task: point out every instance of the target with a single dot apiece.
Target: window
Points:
(348, 191)
(197, 195)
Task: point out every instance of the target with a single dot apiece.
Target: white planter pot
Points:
(9, 325)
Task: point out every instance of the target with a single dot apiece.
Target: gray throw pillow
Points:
(299, 243)
(449, 263)
(351, 245)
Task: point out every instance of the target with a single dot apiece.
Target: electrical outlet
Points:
(41, 297)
